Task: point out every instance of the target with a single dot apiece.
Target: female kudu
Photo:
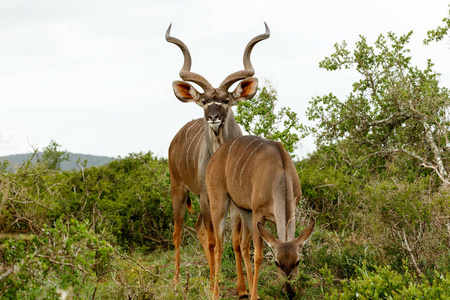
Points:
(257, 177)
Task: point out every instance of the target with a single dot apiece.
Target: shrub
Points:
(66, 255)
(385, 283)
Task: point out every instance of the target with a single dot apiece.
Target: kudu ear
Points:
(305, 234)
(245, 89)
(185, 92)
(266, 235)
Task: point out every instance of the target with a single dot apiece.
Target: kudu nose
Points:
(213, 118)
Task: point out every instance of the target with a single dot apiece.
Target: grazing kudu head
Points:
(195, 143)
(258, 177)
(286, 253)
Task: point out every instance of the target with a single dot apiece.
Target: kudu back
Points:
(195, 143)
(256, 176)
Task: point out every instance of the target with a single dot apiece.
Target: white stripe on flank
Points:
(199, 141)
(190, 144)
(226, 163)
(243, 167)
(187, 130)
(237, 162)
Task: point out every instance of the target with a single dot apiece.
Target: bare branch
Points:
(9, 271)
(437, 172)
(143, 268)
(31, 202)
(62, 263)
(408, 248)
(436, 150)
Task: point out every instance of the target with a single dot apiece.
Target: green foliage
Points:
(396, 112)
(130, 196)
(53, 157)
(402, 218)
(439, 33)
(259, 117)
(65, 255)
(127, 203)
(118, 197)
(385, 283)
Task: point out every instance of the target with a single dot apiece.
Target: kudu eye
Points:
(204, 102)
(226, 101)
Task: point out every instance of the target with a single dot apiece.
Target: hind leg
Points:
(219, 213)
(202, 235)
(179, 200)
(236, 229)
(246, 236)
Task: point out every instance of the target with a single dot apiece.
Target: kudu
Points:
(195, 143)
(257, 177)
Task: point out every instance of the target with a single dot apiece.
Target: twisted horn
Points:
(249, 71)
(185, 72)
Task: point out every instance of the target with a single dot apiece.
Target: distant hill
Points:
(71, 164)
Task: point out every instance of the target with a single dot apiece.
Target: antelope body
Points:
(195, 143)
(258, 178)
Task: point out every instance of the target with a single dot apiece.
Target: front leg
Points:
(179, 200)
(258, 256)
(205, 232)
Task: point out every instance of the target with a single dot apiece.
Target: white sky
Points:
(96, 76)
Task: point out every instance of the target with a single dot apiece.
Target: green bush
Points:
(386, 283)
(130, 197)
(66, 255)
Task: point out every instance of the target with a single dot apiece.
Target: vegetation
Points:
(260, 117)
(378, 186)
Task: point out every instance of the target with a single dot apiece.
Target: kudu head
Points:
(286, 253)
(216, 102)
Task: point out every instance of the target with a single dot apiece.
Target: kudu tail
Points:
(291, 202)
(189, 204)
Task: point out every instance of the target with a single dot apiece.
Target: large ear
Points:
(304, 235)
(185, 92)
(267, 235)
(246, 89)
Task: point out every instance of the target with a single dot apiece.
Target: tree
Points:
(53, 157)
(259, 117)
(395, 110)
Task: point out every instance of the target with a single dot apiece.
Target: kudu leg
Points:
(179, 200)
(206, 235)
(202, 234)
(258, 256)
(237, 232)
(219, 213)
(246, 237)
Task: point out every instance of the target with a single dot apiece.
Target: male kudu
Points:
(195, 143)
(257, 177)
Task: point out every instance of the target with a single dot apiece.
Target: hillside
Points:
(92, 160)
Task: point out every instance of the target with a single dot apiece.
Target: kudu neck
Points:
(227, 130)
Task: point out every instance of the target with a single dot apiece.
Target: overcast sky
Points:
(96, 76)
